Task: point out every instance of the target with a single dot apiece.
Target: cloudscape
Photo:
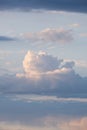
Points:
(66, 5)
(43, 65)
(46, 75)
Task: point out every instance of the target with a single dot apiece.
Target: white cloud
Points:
(50, 35)
(45, 75)
(43, 65)
(40, 63)
(56, 12)
(42, 98)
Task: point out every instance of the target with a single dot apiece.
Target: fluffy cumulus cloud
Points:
(40, 62)
(42, 65)
(50, 35)
(63, 5)
(45, 74)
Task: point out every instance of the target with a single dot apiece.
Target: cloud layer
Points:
(50, 35)
(47, 123)
(46, 75)
(65, 5)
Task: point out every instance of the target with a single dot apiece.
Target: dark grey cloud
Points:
(6, 38)
(68, 86)
(64, 5)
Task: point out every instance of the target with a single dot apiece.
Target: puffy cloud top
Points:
(46, 75)
(40, 62)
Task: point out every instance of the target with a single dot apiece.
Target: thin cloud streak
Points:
(6, 38)
(38, 98)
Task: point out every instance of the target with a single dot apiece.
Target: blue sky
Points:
(43, 65)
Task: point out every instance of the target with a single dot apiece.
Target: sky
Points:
(43, 65)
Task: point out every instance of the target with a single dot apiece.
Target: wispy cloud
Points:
(50, 35)
(43, 98)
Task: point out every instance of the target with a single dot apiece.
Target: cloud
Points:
(25, 112)
(61, 5)
(50, 35)
(45, 75)
(18, 126)
(66, 124)
(48, 123)
(75, 124)
(42, 98)
(6, 38)
(40, 62)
